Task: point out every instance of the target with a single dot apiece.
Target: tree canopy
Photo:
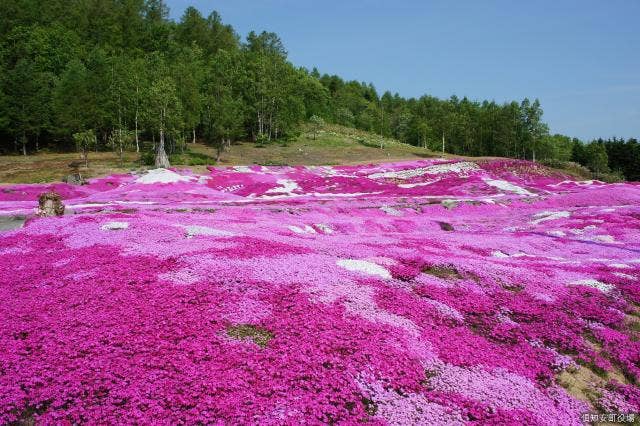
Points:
(122, 66)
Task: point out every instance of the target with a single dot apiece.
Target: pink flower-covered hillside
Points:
(424, 292)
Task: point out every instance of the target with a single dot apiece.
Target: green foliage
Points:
(70, 66)
(597, 159)
(84, 142)
(164, 107)
(570, 167)
(316, 124)
(72, 99)
(187, 158)
(624, 157)
(148, 158)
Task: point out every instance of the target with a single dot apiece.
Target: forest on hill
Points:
(120, 75)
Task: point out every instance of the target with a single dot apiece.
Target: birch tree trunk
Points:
(137, 140)
(161, 156)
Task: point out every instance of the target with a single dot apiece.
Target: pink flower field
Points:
(424, 292)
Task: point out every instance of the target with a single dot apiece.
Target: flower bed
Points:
(424, 292)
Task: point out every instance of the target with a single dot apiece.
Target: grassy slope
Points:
(334, 145)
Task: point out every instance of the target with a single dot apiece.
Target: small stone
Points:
(445, 226)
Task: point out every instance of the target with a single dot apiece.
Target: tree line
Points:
(615, 156)
(120, 75)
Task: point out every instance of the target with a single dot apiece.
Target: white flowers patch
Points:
(506, 186)
(620, 266)
(203, 179)
(287, 186)
(446, 310)
(625, 276)
(605, 288)
(556, 233)
(579, 183)
(460, 167)
(114, 226)
(242, 169)
(364, 267)
(231, 188)
(324, 228)
(298, 230)
(545, 216)
(162, 176)
(499, 254)
(413, 185)
(391, 211)
(400, 174)
(193, 230)
(604, 238)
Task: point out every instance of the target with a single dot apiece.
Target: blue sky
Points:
(580, 58)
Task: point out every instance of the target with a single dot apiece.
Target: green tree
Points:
(72, 100)
(188, 75)
(223, 116)
(121, 139)
(597, 159)
(316, 124)
(165, 111)
(535, 129)
(84, 142)
(25, 90)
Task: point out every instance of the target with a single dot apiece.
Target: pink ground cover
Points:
(424, 292)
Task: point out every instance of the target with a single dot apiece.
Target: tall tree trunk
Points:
(137, 140)
(194, 136)
(443, 143)
(161, 156)
(219, 150)
(136, 119)
(120, 146)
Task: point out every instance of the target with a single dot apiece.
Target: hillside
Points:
(334, 145)
(416, 292)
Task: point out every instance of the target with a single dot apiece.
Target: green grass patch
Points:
(260, 336)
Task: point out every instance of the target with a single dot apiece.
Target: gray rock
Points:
(8, 223)
(74, 179)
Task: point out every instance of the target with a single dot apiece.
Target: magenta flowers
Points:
(427, 292)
